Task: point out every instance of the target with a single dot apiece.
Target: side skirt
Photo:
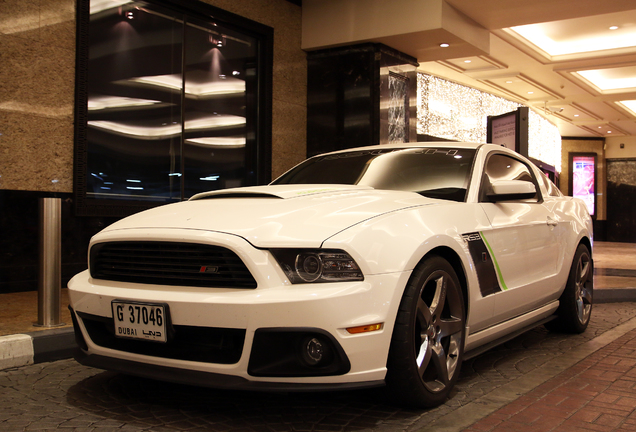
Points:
(489, 338)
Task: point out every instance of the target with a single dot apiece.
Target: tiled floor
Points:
(596, 394)
(615, 268)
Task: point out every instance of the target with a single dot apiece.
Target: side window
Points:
(503, 167)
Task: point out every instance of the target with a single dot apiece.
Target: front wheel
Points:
(575, 304)
(428, 339)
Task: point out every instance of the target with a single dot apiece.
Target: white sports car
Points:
(383, 265)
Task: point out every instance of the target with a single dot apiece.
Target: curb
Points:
(36, 347)
(615, 295)
(57, 344)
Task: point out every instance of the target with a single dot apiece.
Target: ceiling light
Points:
(576, 115)
(609, 131)
(611, 79)
(508, 82)
(466, 61)
(570, 36)
(530, 92)
(444, 45)
(629, 105)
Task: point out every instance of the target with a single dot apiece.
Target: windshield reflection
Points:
(437, 173)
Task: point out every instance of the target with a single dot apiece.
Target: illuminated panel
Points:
(583, 180)
(456, 112)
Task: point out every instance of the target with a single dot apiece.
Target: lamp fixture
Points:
(217, 40)
(444, 45)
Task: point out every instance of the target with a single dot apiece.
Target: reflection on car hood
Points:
(276, 216)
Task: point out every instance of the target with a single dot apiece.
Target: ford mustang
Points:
(378, 266)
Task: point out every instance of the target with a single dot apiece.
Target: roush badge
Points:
(471, 237)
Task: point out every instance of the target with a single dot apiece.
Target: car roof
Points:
(426, 144)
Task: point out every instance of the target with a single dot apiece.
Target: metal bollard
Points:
(50, 279)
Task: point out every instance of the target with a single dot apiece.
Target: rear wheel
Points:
(575, 304)
(428, 339)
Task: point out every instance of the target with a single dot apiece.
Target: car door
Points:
(524, 240)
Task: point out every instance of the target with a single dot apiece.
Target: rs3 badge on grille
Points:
(143, 321)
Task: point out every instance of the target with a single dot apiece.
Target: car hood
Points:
(276, 216)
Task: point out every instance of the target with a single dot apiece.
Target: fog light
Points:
(313, 351)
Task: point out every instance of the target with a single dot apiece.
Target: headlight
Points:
(317, 265)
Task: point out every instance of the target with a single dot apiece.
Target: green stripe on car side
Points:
(494, 259)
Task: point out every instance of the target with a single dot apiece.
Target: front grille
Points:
(169, 263)
(200, 344)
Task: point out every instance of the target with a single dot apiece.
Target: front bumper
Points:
(209, 379)
(275, 307)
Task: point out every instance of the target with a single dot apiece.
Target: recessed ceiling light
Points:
(444, 45)
(467, 61)
(629, 105)
(623, 77)
(600, 127)
(565, 37)
(609, 131)
(530, 92)
(576, 115)
(508, 82)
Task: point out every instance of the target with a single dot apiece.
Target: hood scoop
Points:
(220, 194)
(280, 191)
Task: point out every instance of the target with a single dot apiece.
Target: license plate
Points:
(143, 321)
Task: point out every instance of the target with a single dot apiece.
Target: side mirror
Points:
(509, 190)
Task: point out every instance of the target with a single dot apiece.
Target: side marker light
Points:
(366, 328)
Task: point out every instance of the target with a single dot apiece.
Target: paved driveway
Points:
(65, 395)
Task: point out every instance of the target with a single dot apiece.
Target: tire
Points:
(575, 304)
(427, 345)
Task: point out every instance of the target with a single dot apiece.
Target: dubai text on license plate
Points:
(145, 321)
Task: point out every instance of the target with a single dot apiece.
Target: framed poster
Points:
(583, 179)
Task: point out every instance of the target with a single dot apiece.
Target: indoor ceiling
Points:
(572, 60)
(575, 61)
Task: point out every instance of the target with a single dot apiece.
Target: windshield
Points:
(435, 173)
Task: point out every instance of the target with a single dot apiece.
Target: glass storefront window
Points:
(171, 106)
